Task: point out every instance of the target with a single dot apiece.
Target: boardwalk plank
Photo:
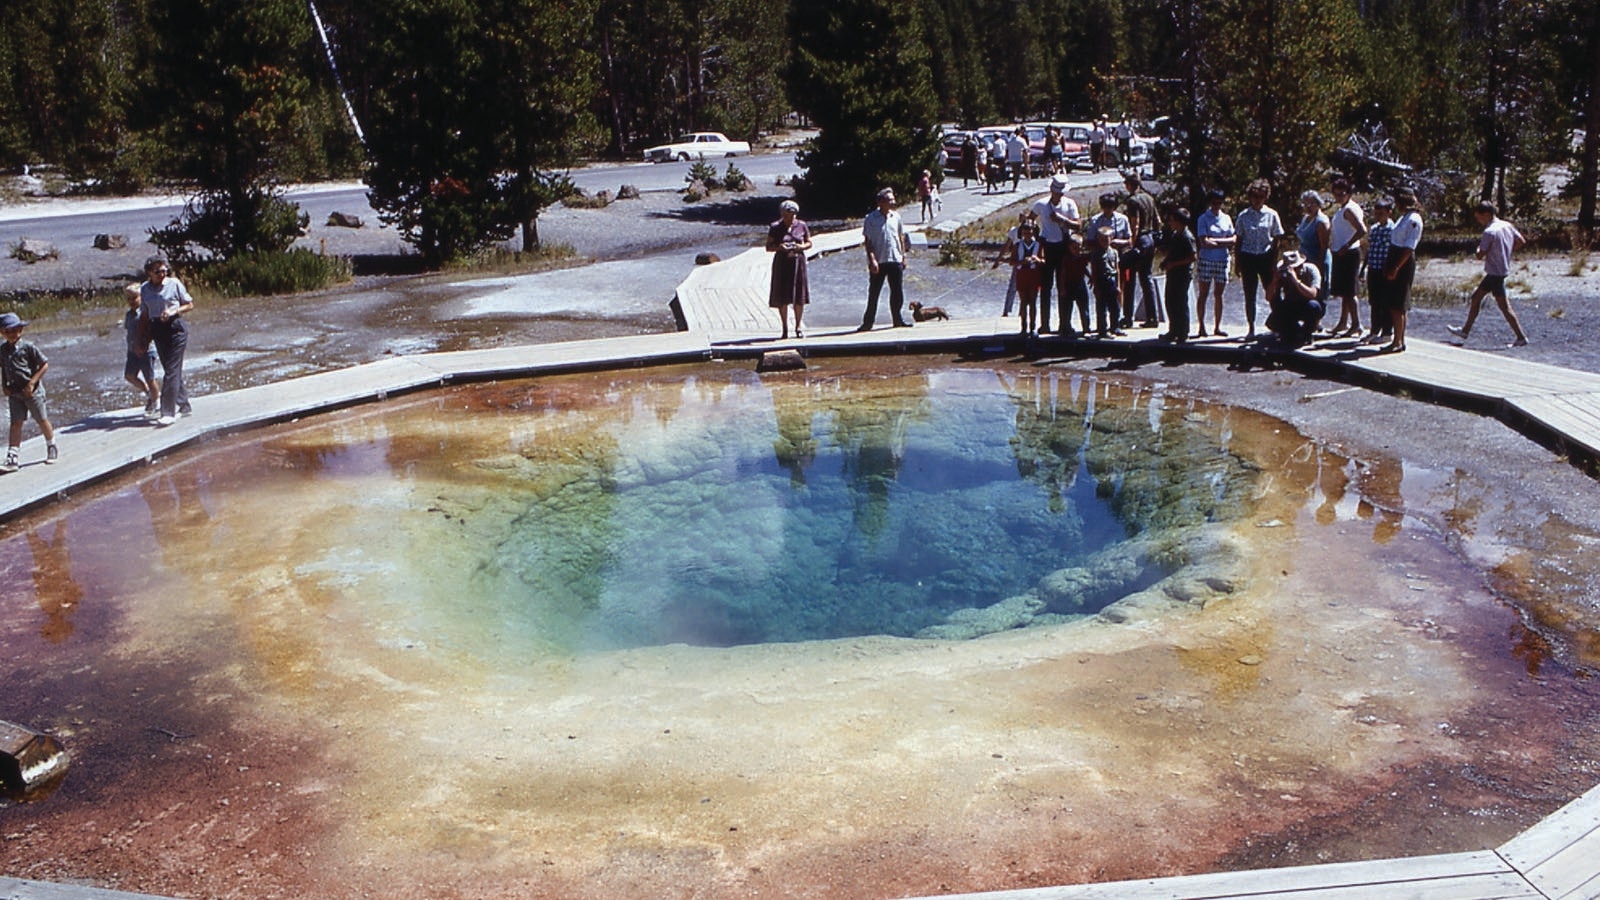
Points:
(1575, 418)
(21, 889)
(1586, 891)
(1457, 876)
(1576, 823)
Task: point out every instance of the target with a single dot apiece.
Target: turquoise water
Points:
(813, 509)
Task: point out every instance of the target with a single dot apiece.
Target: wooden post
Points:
(32, 764)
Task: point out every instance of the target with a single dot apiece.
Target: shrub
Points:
(38, 304)
(582, 199)
(735, 180)
(505, 261)
(274, 273)
(703, 172)
(261, 223)
(954, 252)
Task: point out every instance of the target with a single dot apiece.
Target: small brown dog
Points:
(920, 313)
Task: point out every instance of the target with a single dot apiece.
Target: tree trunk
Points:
(1587, 173)
(613, 95)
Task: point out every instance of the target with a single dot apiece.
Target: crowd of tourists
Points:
(1297, 272)
(1293, 272)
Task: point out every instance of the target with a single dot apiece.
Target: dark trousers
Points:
(1054, 251)
(894, 273)
(1137, 262)
(1295, 319)
(1106, 303)
(1378, 291)
(1074, 293)
(1177, 300)
(172, 339)
(1255, 270)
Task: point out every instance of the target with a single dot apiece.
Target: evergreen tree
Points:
(226, 93)
(542, 84)
(671, 66)
(959, 68)
(1270, 84)
(473, 110)
(861, 72)
(65, 73)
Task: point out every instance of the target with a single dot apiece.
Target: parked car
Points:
(1074, 143)
(697, 145)
(952, 141)
(1138, 149)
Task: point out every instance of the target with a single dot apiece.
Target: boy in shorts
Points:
(1500, 239)
(22, 369)
(140, 368)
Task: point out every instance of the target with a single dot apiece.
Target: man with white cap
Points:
(1296, 309)
(1058, 217)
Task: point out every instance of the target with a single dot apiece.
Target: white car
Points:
(697, 145)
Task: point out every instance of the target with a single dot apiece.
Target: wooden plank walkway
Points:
(724, 306)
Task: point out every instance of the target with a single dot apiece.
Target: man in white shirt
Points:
(886, 240)
(1017, 155)
(1057, 217)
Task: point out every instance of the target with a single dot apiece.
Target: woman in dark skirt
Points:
(789, 239)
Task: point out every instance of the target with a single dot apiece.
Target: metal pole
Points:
(337, 80)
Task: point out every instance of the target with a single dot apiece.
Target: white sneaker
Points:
(152, 409)
(10, 465)
(1457, 330)
(164, 421)
(50, 454)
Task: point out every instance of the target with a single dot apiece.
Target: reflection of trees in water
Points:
(871, 435)
(54, 588)
(1154, 463)
(1050, 433)
(176, 502)
(1465, 504)
(1380, 476)
(796, 446)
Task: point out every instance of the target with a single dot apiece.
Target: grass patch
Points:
(1439, 294)
(266, 274)
(503, 261)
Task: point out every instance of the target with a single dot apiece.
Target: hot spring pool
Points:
(869, 629)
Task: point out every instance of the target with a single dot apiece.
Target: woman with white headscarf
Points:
(789, 239)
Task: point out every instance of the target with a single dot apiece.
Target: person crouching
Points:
(1296, 307)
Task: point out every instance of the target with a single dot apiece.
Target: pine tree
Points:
(473, 109)
(861, 72)
(226, 93)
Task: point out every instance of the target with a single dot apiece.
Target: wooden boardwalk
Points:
(724, 308)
